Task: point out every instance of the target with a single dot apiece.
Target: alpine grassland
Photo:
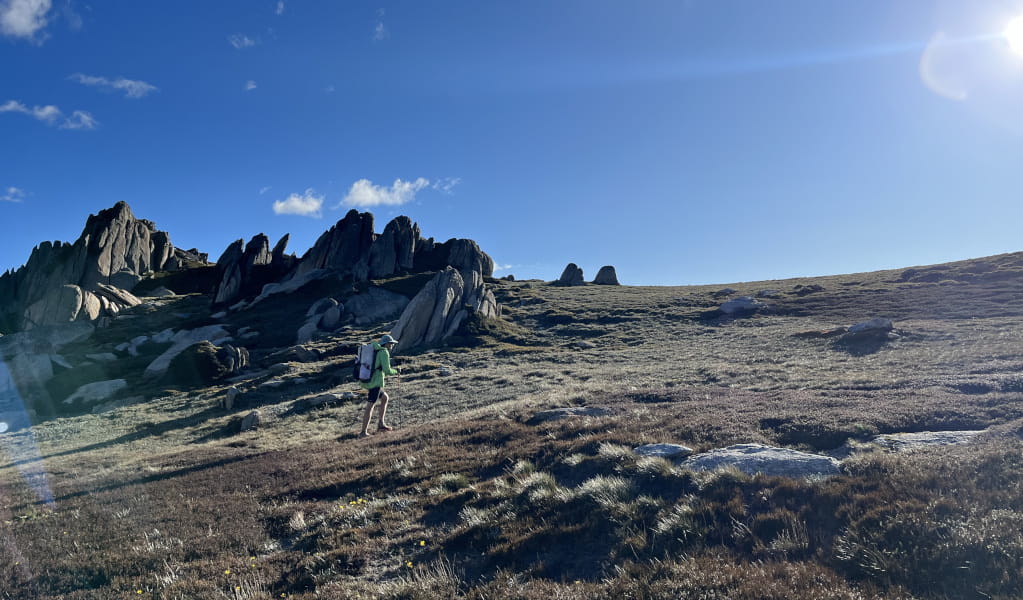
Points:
(474, 496)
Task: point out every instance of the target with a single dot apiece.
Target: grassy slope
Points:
(468, 499)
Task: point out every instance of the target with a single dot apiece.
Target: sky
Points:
(681, 141)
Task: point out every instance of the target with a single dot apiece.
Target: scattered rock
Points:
(664, 450)
(102, 357)
(742, 305)
(768, 294)
(571, 276)
(606, 276)
(227, 403)
(330, 319)
(299, 353)
(723, 292)
(251, 421)
(877, 326)
(557, 414)
(902, 442)
(820, 333)
(804, 290)
(160, 292)
(305, 333)
(758, 458)
(280, 369)
(94, 392)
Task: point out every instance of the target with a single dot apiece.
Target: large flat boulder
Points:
(758, 458)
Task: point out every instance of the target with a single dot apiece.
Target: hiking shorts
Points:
(374, 394)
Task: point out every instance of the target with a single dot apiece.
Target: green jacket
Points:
(381, 368)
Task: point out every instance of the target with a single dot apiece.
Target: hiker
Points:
(381, 369)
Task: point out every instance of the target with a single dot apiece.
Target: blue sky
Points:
(700, 141)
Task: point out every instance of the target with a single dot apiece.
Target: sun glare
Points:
(1014, 35)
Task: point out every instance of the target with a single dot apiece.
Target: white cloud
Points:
(503, 268)
(12, 194)
(250, 85)
(264, 190)
(446, 184)
(364, 194)
(51, 115)
(380, 32)
(305, 205)
(131, 88)
(280, 7)
(79, 120)
(241, 41)
(23, 18)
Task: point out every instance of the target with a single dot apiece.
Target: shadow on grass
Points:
(150, 431)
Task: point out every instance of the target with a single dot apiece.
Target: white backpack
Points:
(365, 361)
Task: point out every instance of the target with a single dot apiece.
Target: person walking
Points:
(381, 370)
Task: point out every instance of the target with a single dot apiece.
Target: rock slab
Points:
(758, 458)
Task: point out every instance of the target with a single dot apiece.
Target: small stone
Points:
(251, 421)
(663, 450)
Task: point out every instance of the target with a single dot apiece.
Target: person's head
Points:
(388, 342)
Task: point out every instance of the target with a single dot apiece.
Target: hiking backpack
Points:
(365, 362)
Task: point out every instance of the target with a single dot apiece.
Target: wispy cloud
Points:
(51, 115)
(498, 268)
(264, 190)
(446, 184)
(12, 194)
(132, 88)
(250, 85)
(308, 204)
(280, 7)
(23, 18)
(380, 32)
(241, 41)
(364, 194)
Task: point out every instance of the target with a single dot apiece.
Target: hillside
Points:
(156, 493)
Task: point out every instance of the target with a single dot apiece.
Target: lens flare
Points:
(1014, 35)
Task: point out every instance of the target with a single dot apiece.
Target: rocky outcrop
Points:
(241, 271)
(606, 276)
(394, 250)
(183, 339)
(115, 251)
(758, 458)
(344, 248)
(572, 275)
(442, 306)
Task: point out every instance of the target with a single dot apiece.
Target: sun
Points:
(1014, 35)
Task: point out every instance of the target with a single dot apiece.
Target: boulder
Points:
(330, 320)
(875, 327)
(161, 292)
(95, 392)
(374, 305)
(606, 276)
(321, 306)
(251, 421)
(741, 305)
(903, 442)
(305, 333)
(203, 363)
(758, 458)
(572, 275)
(558, 414)
(466, 255)
(186, 337)
(664, 450)
(227, 403)
(768, 294)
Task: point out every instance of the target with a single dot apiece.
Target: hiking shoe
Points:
(385, 428)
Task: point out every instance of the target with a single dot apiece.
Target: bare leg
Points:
(383, 411)
(366, 416)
